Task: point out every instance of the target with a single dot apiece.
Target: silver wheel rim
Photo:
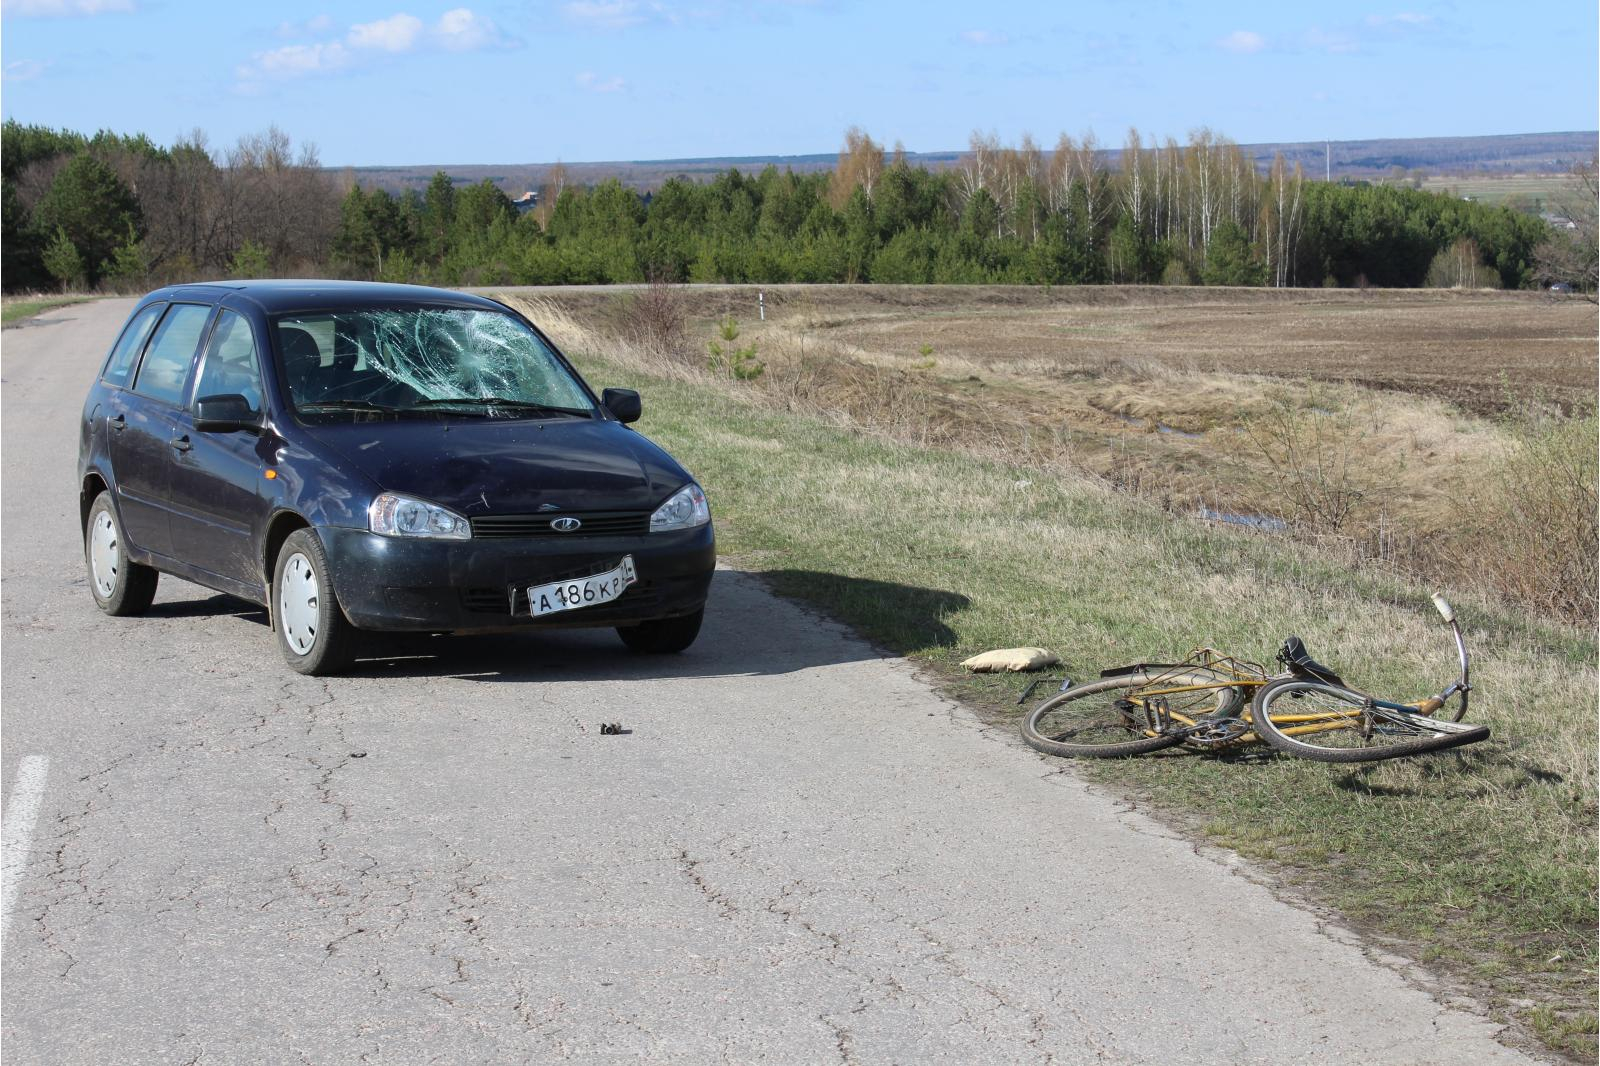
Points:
(103, 545)
(298, 601)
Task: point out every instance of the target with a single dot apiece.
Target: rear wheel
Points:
(1327, 723)
(1127, 715)
(664, 635)
(313, 632)
(120, 586)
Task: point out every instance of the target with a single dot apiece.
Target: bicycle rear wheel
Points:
(1117, 716)
(1327, 723)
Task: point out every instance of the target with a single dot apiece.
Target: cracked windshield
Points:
(454, 362)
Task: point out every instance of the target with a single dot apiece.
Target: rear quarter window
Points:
(166, 362)
(119, 365)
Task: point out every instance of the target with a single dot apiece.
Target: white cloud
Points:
(595, 84)
(1243, 42)
(1404, 20)
(1334, 42)
(294, 60)
(458, 30)
(23, 70)
(607, 14)
(65, 8)
(309, 28)
(983, 38)
(398, 33)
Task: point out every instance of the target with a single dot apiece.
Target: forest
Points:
(119, 212)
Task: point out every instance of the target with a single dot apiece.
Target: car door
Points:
(146, 440)
(216, 481)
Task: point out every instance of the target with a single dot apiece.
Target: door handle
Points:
(118, 421)
(181, 443)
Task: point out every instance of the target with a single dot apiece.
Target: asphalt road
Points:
(799, 854)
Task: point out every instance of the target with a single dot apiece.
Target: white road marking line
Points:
(16, 832)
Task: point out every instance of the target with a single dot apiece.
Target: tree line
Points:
(119, 211)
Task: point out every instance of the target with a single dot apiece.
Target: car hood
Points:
(504, 466)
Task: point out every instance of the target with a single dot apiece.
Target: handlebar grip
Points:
(1447, 612)
(1429, 705)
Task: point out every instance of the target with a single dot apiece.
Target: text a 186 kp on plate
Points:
(567, 595)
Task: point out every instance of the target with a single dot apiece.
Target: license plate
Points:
(585, 592)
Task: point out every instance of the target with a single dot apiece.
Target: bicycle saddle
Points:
(1299, 662)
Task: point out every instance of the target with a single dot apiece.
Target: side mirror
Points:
(623, 404)
(225, 413)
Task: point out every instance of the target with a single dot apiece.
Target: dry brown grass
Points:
(1227, 402)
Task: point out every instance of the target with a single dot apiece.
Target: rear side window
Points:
(119, 367)
(230, 366)
(166, 362)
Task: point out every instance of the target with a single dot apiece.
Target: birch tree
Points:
(860, 167)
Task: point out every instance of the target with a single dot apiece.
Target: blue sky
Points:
(399, 82)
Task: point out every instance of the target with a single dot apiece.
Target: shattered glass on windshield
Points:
(405, 359)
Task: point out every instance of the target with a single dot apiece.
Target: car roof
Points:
(294, 294)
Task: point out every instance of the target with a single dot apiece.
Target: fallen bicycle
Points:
(1212, 700)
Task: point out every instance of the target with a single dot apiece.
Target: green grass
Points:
(1530, 188)
(1480, 860)
(12, 311)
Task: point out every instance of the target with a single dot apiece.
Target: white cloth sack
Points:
(1010, 659)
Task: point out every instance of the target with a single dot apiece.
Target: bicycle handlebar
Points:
(1461, 684)
(1442, 605)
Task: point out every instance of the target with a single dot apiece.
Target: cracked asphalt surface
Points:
(801, 853)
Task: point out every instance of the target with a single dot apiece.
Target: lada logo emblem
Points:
(565, 525)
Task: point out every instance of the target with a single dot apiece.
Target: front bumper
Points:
(395, 583)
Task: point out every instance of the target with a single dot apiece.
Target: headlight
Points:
(686, 509)
(403, 516)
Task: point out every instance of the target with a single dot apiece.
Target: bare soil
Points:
(1483, 351)
(1375, 417)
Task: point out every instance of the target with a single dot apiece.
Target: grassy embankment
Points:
(1480, 862)
(14, 309)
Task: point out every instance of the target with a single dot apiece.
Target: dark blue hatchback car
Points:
(380, 457)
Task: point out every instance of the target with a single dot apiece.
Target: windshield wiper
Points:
(500, 402)
(344, 405)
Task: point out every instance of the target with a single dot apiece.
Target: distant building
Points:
(526, 202)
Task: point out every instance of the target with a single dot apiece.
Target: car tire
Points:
(663, 636)
(313, 633)
(121, 587)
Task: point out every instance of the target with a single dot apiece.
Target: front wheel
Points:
(1126, 715)
(313, 633)
(1327, 723)
(120, 586)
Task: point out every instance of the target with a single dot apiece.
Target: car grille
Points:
(595, 524)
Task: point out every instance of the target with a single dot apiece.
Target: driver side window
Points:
(231, 366)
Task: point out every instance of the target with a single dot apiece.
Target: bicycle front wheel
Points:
(1126, 715)
(1327, 723)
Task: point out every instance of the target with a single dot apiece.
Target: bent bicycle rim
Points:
(1327, 723)
(1127, 715)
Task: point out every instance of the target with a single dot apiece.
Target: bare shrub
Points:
(1315, 463)
(1571, 254)
(655, 320)
(1535, 538)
